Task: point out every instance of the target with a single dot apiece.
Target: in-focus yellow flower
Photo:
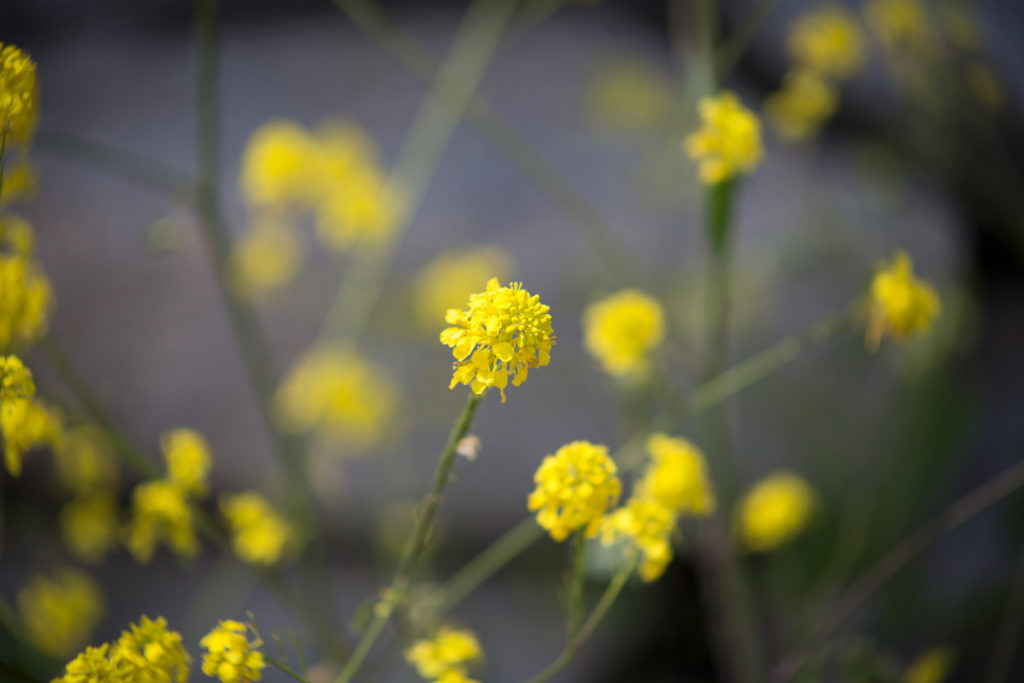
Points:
(903, 26)
(504, 332)
(677, 477)
(630, 96)
(16, 383)
(230, 655)
(60, 613)
(260, 535)
(367, 208)
(160, 513)
(899, 304)
(344, 397)
(25, 293)
(621, 331)
(575, 488)
(266, 257)
(828, 40)
(91, 666)
(18, 95)
(931, 666)
(443, 283)
(27, 425)
(150, 653)
(776, 510)
(277, 165)
(445, 656)
(89, 526)
(802, 105)
(85, 460)
(188, 460)
(729, 140)
(647, 525)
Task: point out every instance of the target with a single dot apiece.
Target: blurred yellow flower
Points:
(961, 26)
(931, 666)
(60, 613)
(805, 101)
(149, 653)
(443, 283)
(621, 331)
(25, 294)
(230, 656)
(773, 512)
(265, 257)
(828, 40)
(160, 513)
(16, 384)
(89, 526)
(676, 477)
(91, 666)
(18, 94)
(899, 304)
(19, 183)
(277, 166)
(260, 535)
(575, 488)
(343, 151)
(630, 95)
(903, 26)
(445, 656)
(341, 395)
(85, 461)
(983, 83)
(504, 332)
(729, 140)
(648, 526)
(188, 460)
(366, 208)
(26, 425)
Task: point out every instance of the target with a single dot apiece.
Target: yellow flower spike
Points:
(899, 304)
(16, 383)
(91, 666)
(187, 455)
(647, 525)
(728, 142)
(85, 461)
(445, 656)
(677, 477)
(443, 283)
(260, 535)
(575, 488)
(231, 656)
(802, 105)
(828, 40)
(266, 257)
(25, 293)
(160, 514)
(27, 425)
(149, 652)
(621, 331)
(931, 666)
(60, 613)
(89, 526)
(773, 512)
(503, 333)
(18, 94)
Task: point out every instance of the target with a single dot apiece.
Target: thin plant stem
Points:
(577, 580)
(728, 55)
(1009, 631)
(963, 510)
(416, 542)
(281, 666)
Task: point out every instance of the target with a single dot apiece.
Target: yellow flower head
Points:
(776, 510)
(728, 142)
(676, 477)
(188, 460)
(899, 304)
(343, 151)
(266, 257)
(647, 525)
(443, 283)
(445, 656)
(16, 383)
(160, 513)
(931, 666)
(504, 332)
(26, 425)
(622, 329)
(367, 207)
(903, 26)
(630, 96)
(344, 397)
(277, 165)
(231, 656)
(19, 183)
(804, 103)
(59, 613)
(85, 460)
(89, 526)
(90, 666)
(828, 40)
(149, 653)
(575, 488)
(18, 95)
(25, 293)
(259, 534)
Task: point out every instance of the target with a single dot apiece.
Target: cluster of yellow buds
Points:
(59, 612)
(260, 535)
(25, 421)
(622, 330)
(147, 651)
(444, 658)
(773, 512)
(231, 656)
(728, 143)
(575, 488)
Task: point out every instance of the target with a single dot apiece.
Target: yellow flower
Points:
(265, 257)
(368, 207)
(188, 460)
(804, 103)
(341, 395)
(648, 526)
(278, 165)
(19, 183)
(828, 40)
(776, 510)
(231, 656)
(676, 477)
(443, 283)
(91, 666)
(18, 95)
(25, 294)
(931, 666)
(621, 331)
(444, 657)
(903, 26)
(16, 383)
(504, 332)
(149, 653)
(259, 534)
(575, 487)
(27, 425)
(85, 461)
(631, 96)
(59, 613)
(161, 513)
(343, 150)
(728, 142)
(89, 526)
(899, 304)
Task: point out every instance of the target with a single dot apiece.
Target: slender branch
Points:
(577, 580)
(728, 55)
(286, 669)
(1009, 630)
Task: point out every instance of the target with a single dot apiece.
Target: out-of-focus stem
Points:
(729, 54)
(1009, 630)
(577, 580)
(280, 666)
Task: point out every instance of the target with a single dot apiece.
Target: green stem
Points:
(728, 55)
(577, 581)
(417, 540)
(1009, 631)
(286, 669)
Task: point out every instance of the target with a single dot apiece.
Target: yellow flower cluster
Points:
(443, 283)
(805, 101)
(147, 653)
(188, 460)
(60, 613)
(575, 487)
(16, 383)
(86, 467)
(729, 140)
(931, 666)
(231, 656)
(444, 657)
(899, 304)
(89, 526)
(260, 535)
(25, 293)
(342, 396)
(18, 94)
(504, 332)
(648, 525)
(773, 512)
(621, 331)
(903, 26)
(265, 258)
(630, 96)
(25, 422)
